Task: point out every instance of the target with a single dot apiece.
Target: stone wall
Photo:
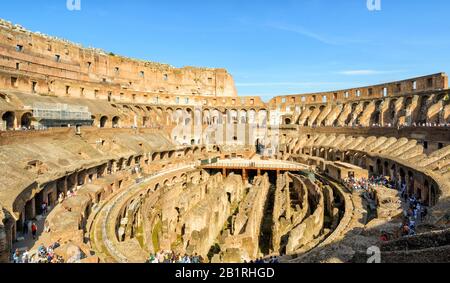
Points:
(242, 242)
(312, 226)
(92, 73)
(432, 82)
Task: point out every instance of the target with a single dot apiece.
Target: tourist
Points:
(25, 257)
(16, 256)
(44, 208)
(196, 258)
(186, 259)
(61, 198)
(46, 227)
(405, 230)
(34, 229)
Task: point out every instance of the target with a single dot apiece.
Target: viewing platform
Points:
(255, 165)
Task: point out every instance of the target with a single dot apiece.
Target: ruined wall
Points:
(242, 242)
(312, 226)
(402, 159)
(291, 207)
(206, 220)
(188, 218)
(431, 82)
(53, 64)
(4, 246)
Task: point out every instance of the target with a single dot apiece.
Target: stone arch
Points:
(159, 114)
(129, 161)
(103, 121)
(252, 116)
(156, 156)
(379, 167)
(287, 121)
(206, 117)
(188, 151)
(169, 116)
(8, 119)
(25, 120)
(196, 150)
(216, 117)
(116, 122)
(375, 118)
(164, 155)
(188, 120)
(243, 116)
(177, 116)
(262, 118)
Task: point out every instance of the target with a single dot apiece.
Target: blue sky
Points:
(271, 47)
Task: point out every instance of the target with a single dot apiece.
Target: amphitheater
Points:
(158, 158)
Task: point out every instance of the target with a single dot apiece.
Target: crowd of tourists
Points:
(414, 125)
(413, 215)
(415, 211)
(371, 184)
(172, 257)
(70, 193)
(43, 255)
(272, 259)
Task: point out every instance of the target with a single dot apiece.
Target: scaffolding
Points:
(61, 112)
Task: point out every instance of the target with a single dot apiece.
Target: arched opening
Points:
(375, 119)
(103, 121)
(379, 167)
(402, 176)
(243, 116)
(25, 121)
(287, 121)
(433, 196)
(116, 122)
(188, 119)
(188, 151)
(8, 120)
(206, 117)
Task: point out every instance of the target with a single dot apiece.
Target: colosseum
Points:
(109, 159)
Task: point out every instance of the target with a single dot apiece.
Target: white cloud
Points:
(325, 39)
(364, 72)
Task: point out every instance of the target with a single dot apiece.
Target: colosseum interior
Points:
(133, 158)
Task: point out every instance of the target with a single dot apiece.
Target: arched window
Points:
(8, 119)
(103, 121)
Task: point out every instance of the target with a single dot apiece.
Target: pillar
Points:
(30, 209)
(244, 175)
